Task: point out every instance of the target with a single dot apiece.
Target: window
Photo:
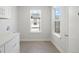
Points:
(57, 26)
(35, 20)
(57, 12)
(57, 19)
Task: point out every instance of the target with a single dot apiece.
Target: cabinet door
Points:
(17, 44)
(4, 12)
(1, 49)
(12, 46)
(64, 29)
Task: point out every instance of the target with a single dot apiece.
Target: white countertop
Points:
(6, 36)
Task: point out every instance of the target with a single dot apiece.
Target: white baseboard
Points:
(35, 39)
(60, 50)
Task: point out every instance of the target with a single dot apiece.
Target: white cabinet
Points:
(13, 45)
(2, 49)
(4, 12)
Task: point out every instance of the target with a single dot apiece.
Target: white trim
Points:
(60, 50)
(56, 34)
(35, 39)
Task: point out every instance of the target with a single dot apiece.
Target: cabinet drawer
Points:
(12, 46)
(1, 49)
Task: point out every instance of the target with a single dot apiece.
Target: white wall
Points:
(69, 26)
(14, 18)
(59, 39)
(11, 21)
(24, 23)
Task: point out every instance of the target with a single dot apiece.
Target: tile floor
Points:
(38, 47)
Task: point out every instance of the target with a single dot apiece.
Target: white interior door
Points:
(74, 29)
(64, 29)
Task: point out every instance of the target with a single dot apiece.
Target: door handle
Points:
(66, 35)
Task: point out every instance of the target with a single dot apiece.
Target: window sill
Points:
(57, 34)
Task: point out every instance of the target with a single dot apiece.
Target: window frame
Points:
(32, 21)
